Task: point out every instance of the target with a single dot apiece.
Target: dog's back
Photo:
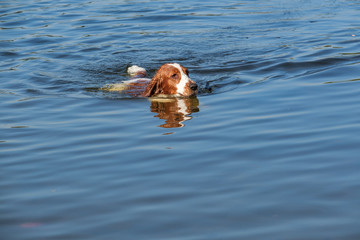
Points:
(133, 87)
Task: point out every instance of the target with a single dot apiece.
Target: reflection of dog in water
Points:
(171, 80)
(174, 111)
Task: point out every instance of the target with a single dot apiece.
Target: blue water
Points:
(269, 149)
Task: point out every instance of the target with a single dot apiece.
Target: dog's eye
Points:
(174, 75)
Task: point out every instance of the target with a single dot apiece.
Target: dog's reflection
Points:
(174, 111)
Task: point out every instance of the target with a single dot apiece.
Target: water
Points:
(268, 150)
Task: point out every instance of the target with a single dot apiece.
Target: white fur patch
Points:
(134, 70)
(183, 109)
(183, 81)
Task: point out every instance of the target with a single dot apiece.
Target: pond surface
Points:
(269, 149)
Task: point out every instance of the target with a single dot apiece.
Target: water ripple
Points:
(267, 150)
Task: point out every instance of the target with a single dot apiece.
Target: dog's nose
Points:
(193, 86)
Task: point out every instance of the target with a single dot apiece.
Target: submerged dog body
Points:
(170, 80)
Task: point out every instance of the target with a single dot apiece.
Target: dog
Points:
(170, 80)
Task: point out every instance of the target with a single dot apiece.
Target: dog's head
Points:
(171, 79)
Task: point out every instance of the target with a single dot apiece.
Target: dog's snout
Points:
(193, 86)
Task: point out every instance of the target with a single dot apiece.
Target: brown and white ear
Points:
(154, 87)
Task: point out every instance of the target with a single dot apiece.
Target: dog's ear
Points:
(155, 85)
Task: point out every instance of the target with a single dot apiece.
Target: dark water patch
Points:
(9, 54)
(90, 50)
(38, 40)
(317, 64)
(19, 126)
